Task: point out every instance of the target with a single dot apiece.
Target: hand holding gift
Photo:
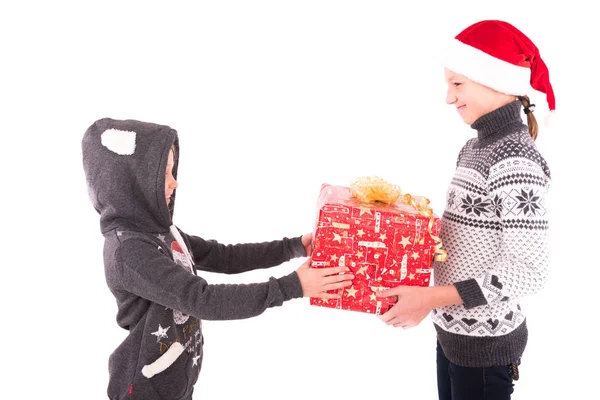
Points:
(385, 237)
(411, 306)
(317, 282)
(414, 303)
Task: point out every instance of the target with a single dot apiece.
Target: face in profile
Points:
(471, 99)
(170, 182)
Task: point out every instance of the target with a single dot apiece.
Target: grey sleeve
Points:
(209, 255)
(147, 272)
(470, 293)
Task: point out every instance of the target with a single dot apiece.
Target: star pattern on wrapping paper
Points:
(361, 270)
(405, 241)
(351, 291)
(411, 276)
(359, 254)
(334, 258)
(337, 238)
(415, 255)
(360, 233)
(382, 236)
(365, 210)
(373, 297)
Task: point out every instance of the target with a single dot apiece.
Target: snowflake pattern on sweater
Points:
(495, 230)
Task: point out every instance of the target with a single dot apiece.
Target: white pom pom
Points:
(118, 141)
(550, 119)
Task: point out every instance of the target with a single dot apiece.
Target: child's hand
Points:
(412, 306)
(317, 281)
(415, 303)
(307, 243)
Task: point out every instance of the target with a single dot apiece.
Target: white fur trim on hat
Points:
(164, 361)
(486, 69)
(118, 141)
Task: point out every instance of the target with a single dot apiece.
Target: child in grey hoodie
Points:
(150, 265)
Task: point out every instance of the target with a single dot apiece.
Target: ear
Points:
(118, 141)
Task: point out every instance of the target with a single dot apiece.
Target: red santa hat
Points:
(498, 55)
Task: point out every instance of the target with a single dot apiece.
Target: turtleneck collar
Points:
(498, 123)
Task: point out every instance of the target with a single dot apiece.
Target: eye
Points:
(457, 83)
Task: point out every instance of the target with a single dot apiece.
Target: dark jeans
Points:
(464, 383)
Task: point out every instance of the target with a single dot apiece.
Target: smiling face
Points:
(170, 182)
(471, 99)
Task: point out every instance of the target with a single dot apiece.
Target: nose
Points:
(171, 182)
(450, 97)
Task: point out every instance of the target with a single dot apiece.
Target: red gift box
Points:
(384, 245)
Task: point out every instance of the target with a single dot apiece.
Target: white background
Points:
(271, 99)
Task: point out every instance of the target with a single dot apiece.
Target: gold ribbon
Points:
(372, 189)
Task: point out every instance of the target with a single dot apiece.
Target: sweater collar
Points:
(498, 123)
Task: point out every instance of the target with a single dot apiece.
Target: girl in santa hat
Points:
(494, 228)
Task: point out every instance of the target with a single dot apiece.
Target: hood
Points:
(125, 163)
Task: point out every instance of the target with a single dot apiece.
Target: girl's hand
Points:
(317, 281)
(412, 306)
(415, 303)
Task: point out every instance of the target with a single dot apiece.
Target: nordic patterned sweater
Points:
(495, 231)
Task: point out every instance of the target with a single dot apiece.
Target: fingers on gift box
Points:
(386, 238)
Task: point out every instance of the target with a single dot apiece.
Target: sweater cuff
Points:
(297, 248)
(290, 286)
(470, 293)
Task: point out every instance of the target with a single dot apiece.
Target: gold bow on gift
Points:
(373, 189)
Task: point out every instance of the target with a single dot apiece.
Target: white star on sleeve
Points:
(195, 361)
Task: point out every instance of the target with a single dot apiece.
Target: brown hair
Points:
(531, 121)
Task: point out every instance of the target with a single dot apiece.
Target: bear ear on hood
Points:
(119, 141)
(124, 163)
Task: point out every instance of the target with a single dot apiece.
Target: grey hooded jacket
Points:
(150, 264)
